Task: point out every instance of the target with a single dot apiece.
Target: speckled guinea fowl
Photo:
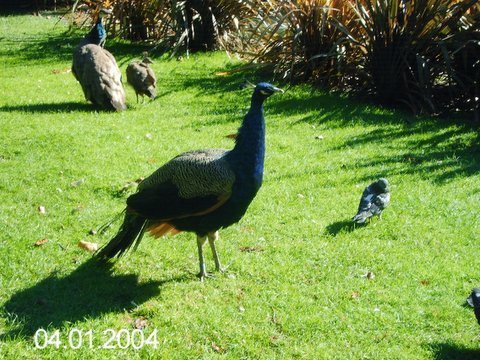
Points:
(97, 71)
(199, 191)
(142, 78)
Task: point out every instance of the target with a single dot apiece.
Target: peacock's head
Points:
(265, 90)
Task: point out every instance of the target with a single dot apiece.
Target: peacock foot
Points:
(205, 275)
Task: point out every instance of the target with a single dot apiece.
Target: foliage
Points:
(398, 51)
(419, 54)
(188, 25)
(402, 43)
(298, 39)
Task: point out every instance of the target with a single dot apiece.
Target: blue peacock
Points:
(199, 191)
(97, 34)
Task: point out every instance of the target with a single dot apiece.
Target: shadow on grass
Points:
(60, 47)
(436, 148)
(340, 226)
(440, 154)
(449, 351)
(52, 107)
(89, 291)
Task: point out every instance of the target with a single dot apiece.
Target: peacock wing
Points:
(192, 184)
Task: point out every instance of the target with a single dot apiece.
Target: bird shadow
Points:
(50, 107)
(450, 351)
(341, 226)
(89, 291)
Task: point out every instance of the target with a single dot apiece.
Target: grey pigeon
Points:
(374, 200)
(474, 301)
(142, 78)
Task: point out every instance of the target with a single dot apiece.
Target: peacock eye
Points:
(263, 92)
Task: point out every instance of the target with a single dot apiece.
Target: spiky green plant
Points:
(172, 25)
(400, 42)
(298, 39)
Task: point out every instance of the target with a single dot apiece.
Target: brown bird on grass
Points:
(142, 78)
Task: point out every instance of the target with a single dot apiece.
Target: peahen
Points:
(374, 200)
(199, 191)
(97, 71)
(142, 78)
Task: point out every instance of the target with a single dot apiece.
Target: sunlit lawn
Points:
(296, 284)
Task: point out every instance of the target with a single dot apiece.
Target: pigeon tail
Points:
(361, 217)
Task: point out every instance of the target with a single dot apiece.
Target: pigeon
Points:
(374, 200)
(474, 301)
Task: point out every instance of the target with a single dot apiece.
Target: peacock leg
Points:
(201, 240)
(212, 237)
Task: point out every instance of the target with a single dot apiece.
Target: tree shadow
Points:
(449, 351)
(59, 47)
(89, 291)
(341, 226)
(227, 78)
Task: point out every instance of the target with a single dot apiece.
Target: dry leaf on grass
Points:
(355, 295)
(88, 245)
(251, 248)
(41, 209)
(231, 136)
(61, 71)
(216, 348)
(41, 242)
(140, 323)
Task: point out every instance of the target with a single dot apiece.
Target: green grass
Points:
(301, 292)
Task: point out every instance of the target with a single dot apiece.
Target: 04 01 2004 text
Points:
(107, 339)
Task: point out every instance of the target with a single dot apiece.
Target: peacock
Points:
(97, 71)
(142, 78)
(199, 191)
(374, 200)
(97, 34)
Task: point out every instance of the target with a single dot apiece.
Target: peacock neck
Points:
(249, 150)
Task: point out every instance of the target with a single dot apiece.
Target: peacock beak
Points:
(275, 89)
